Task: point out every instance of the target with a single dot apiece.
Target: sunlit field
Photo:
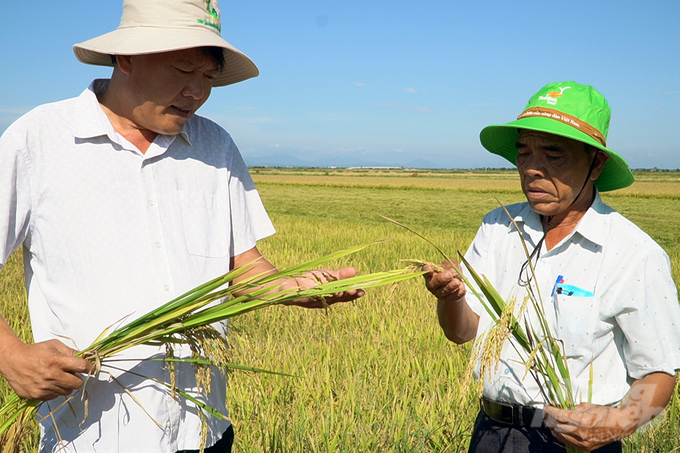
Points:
(377, 375)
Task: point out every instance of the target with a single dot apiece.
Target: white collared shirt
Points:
(110, 233)
(615, 303)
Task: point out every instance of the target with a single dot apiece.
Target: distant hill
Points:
(286, 160)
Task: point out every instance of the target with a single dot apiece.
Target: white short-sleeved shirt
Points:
(110, 233)
(617, 306)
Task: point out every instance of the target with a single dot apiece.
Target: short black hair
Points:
(216, 53)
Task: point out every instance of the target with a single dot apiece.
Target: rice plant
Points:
(188, 318)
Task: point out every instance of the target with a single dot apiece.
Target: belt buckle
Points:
(507, 413)
(512, 414)
(499, 411)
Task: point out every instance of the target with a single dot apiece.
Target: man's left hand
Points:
(590, 426)
(258, 266)
(315, 278)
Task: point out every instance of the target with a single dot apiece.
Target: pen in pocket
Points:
(557, 282)
(568, 290)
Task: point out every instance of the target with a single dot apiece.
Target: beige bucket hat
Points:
(153, 26)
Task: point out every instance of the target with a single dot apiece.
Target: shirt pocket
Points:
(578, 324)
(205, 220)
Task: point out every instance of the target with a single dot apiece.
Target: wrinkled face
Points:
(165, 89)
(553, 169)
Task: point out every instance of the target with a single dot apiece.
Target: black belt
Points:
(513, 414)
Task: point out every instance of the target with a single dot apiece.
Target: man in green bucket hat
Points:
(606, 286)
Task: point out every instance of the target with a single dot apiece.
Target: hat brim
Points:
(501, 139)
(146, 40)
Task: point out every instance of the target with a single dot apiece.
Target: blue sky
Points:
(389, 81)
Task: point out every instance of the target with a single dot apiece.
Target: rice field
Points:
(376, 374)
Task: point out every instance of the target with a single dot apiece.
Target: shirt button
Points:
(166, 287)
(158, 245)
(150, 202)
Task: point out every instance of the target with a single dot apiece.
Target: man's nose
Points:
(198, 89)
(533, 166)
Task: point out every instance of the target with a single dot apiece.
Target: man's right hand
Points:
(456, 318)
(41, 371)
(446, 285)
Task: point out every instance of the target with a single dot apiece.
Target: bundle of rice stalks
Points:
(542, 354)
(188, 319)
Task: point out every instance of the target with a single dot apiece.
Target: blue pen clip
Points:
(559, 280)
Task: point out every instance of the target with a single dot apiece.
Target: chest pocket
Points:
(578, 324)
(205, 219)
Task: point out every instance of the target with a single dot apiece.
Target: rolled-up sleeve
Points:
(650, 317)
(250, 221)
(15, 195)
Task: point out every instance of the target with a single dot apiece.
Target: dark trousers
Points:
(489, 436)
(222, 446)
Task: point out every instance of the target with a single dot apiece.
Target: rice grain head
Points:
(495, 339)
(172, 370)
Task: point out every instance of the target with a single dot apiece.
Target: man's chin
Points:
(542, 208)
(170, 129)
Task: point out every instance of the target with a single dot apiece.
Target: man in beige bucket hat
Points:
(123, 199)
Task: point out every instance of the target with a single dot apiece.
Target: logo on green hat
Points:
(552, 96)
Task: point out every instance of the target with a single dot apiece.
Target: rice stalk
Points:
(188, 319)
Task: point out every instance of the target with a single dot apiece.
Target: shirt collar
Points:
(93, 122)
(529, 222)
(591, 227)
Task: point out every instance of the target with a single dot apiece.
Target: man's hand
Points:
(259, 266)
(445, 286)
(315, 278)
(591, 426)
(456, 318)
(41, 371)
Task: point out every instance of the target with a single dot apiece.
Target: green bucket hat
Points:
(571, 110)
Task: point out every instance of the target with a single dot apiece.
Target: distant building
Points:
(375, 168)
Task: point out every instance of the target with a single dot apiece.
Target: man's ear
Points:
(124, 63)
(601, 158)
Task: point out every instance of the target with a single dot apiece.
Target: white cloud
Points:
(359, 84)
(393, 105)
(410, 90)
(668, 93)
(10, 115)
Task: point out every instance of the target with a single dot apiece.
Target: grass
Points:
(376, 374)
